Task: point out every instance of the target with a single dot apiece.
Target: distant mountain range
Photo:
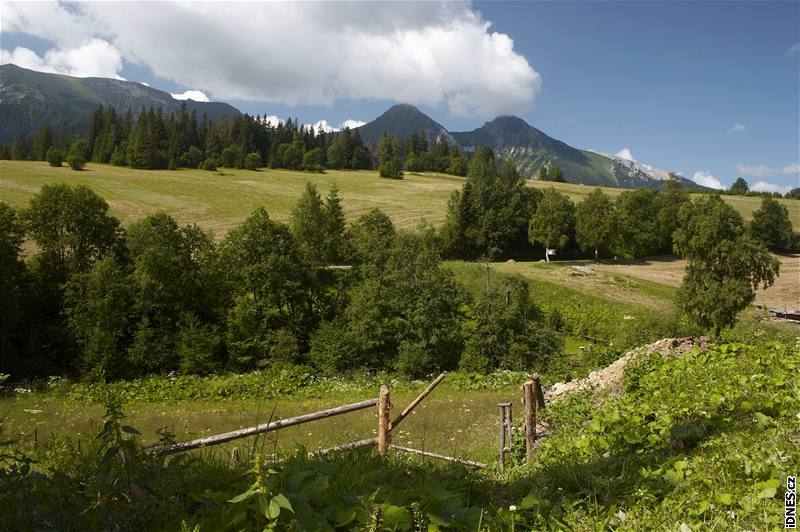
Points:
(30, 100)
(512, 138)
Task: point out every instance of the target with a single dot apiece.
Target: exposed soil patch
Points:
(610, 378)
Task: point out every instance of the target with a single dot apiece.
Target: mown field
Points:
(218, 201)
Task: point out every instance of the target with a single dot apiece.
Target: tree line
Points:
(741, 188)
(495, 214)
(101, 301)
(154, 141)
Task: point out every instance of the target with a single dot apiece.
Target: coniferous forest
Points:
(153, 140)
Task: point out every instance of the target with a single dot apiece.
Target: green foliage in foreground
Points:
(705, 440)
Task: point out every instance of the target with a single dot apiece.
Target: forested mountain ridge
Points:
(30, 100)
(512, 138)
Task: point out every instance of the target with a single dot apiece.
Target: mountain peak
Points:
(510, 120)
(402, 120)
(403, 108)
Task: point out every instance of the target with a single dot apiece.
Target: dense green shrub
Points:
(54, 157)
(252, 161)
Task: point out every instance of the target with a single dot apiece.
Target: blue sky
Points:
(708, 89)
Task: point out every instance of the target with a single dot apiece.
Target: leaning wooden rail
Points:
(471, 463)
(266, 427)
(413, 404)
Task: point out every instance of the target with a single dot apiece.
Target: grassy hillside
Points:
(220, 200)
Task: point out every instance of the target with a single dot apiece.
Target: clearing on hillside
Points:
(220, 200)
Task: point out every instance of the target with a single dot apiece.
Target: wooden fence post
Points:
(505, 433)
(530, 419)
(502, 437)
(384, 406)
(537, 390)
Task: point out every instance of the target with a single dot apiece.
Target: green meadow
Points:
(220, 200)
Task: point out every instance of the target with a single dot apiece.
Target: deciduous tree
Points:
(595, 222)
(725, 265)
(553, 222)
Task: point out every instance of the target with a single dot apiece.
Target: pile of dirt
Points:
(582, 270)
(610, 378)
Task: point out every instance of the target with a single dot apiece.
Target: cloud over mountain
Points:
(440, 54)
(704, 178)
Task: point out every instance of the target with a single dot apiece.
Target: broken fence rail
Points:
(266, 427)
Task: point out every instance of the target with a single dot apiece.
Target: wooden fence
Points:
(532, 400)
(383, 441)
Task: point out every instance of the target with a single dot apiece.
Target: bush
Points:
(231, 157)
(55, 157)
(390, 168)
(76, 162)
(313, 160)
(78, 154)
(210, 165)
(252, 161)
(458, 166)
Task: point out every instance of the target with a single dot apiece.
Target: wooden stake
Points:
(416, 401)
(35, 438)
(384, 425)
(501, 457)
(505, 433)
(530, 419)
(537, 390)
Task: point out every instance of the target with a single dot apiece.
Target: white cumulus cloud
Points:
(763, 186)
(704, 178)
(626, 154)
(198, 96)
(763, 170)
(737, 127)
(434, 53)
(92, 58)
